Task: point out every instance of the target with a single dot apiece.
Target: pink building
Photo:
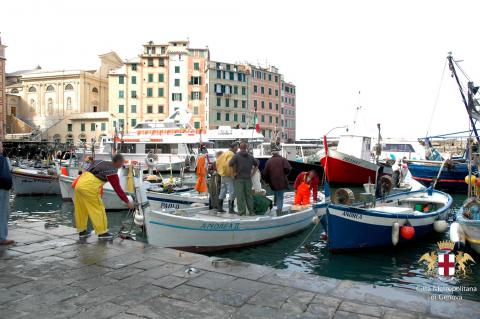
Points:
(288, 111)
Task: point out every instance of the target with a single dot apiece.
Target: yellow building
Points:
(49, 100)
(162, 79)
(3, 97)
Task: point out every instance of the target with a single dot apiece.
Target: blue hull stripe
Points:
(172, 201)
(231, 230)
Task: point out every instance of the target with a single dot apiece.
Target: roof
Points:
(22, 72)
(90, 116)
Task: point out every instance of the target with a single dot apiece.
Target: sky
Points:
(392, 52)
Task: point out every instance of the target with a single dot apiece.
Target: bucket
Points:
(419, 207)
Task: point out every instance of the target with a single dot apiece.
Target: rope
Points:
(436, 98)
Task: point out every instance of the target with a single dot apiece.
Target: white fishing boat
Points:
(224, 136)
(200, 229)
(466, 228)
(35, 181)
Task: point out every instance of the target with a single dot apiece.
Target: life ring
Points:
(386, 185)
(343, 196)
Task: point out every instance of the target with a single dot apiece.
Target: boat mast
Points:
(454, 73)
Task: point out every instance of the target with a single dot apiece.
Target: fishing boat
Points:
(222, 137)
(451, 178)
(29, 181)
(352, 161)
(199, 229)
(466, 228)
(380, 223)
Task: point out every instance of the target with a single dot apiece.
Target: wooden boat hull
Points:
(471, 230)
(347, 169)
(29, 182)
(212, 233)
(354, 227)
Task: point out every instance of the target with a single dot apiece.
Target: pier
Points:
(49, 273)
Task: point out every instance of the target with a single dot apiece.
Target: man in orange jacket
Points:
(304, 184)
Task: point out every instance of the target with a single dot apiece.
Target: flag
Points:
(255, 122)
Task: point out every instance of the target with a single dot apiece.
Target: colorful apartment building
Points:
(288, 111)
(164, 78)
(227, 87)
(3, 95)
(265, 98)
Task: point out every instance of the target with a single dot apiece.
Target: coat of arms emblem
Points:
(445, 262)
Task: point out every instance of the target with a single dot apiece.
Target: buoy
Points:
(395, 233)
(440, 226)
(470, 179)
(315, 220)
(407, 232)
(456, 233)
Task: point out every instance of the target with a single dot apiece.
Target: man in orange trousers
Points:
(305, 183)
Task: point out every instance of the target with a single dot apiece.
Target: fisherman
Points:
(396, 172)
(275, 174)
(201, 172)
(88, 196)
(304, 184)
(227, 173)
(214, 183)
(5, 186)
(243, 163)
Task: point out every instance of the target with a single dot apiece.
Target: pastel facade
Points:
(3, 96)
(288, 111)
(228, 95)
(162, 79)
(265, 98)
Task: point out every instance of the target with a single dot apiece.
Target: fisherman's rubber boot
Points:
(231, 205)
(220, 206)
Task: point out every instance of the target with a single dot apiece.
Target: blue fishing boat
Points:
(396, 219)
(451, 178)
(466, 228)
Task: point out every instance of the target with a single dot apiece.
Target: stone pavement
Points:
(50, 274)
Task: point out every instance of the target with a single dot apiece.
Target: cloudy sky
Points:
(393, 52)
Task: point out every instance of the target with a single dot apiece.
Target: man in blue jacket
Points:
(5, 186)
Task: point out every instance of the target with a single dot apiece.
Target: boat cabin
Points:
(355, 145)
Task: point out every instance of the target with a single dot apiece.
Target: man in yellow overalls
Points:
(88, 196)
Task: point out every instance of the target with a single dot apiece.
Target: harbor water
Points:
(398, 267)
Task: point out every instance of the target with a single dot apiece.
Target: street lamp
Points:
(337, 127)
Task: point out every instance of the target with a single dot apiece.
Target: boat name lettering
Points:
(352, 215)
(352, 160)
(215, 226)
(169, 205)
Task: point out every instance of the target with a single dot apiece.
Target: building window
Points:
(270, 105)
(263, 118)
(255, 104)
(150, 62)
(69, 103)
(134, 67)
(235, 103)
(219, 74)
(270, 119)
(95, 90)
(196, 125)
(263, 104)
(121, 108)
(69, 127)
(32, 89)
(235, 117)
(50, 106)
(196, 66)
(235, 89)
(161, 77)
(269, 91)
(276, 78)
(276, 92)
(93, 127)
(195, 110)
(255, 89)
(262, 89)
(219, 101)
(50, 88)
(219, 116)
(133, 122)
(243, 118)
(269, 77)
(276, 120)
(133, 108)
(231, 77)
(150, 77)
(103, 126)
(149, 109)
(276, 106)
(121, 79)
(227, 102)
(176, 96)
(244, 104)
(121, 94)
(177, 69)
(196, 80)
(177, 82)
(149, 92)
(227, 116)
(161, 109)
(134, 94)
(161, 61)
(134, 79)
(160, 92)
(244, 90)
(196, 95)
(68, 87)
(121, 124)
(82, 127)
